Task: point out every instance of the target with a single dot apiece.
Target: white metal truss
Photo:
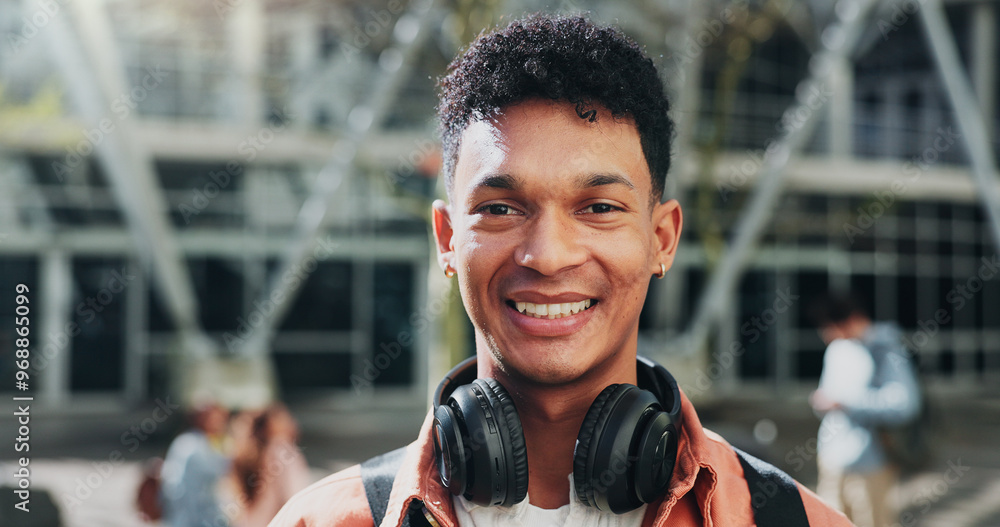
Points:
(91, 68)
(410, 32)
(838, 40)
(967, 109)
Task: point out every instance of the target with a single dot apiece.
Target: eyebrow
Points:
(503, 181)
(597, 180)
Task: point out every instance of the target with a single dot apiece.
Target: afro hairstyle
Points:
(562, 58)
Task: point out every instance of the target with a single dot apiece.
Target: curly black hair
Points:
(835, 308)
(559, 58)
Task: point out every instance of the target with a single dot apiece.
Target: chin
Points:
(546, 366)
(555, 376)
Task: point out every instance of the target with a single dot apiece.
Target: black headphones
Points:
(625, 451)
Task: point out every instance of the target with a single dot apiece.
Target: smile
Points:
(551, 311)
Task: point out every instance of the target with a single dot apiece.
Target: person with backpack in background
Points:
(868, 385)
(194, 464)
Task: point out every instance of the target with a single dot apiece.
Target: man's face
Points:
(214, 420)
(552, 213)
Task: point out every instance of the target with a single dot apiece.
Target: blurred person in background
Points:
(192, 469)
(268, 466)
(868, 383)
(556, 148)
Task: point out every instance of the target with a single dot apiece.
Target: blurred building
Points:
(167, 167)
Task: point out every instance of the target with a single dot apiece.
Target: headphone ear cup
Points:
(657, 455)
(488, 461)
(449, 450)
(590, 434)
(512, 437)
(614, 445)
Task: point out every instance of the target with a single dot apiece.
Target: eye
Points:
(498, 209)
(600, 208)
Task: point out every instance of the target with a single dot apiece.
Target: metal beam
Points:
(840, 118)
(688, 69)
(166, 139)
(967, 110)
(410, 32)
(91, 68)
(984, 56)
(838, 40)
(56, 306)
(683, 78)
(9, 196)
(247, 33)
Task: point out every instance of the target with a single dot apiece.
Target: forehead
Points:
(548, 142)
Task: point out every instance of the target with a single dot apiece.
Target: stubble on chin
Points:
(554, 370)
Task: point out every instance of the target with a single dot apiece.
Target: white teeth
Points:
(552, 310)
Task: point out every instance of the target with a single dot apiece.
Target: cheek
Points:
(472, 251)
(626, 254)
(478, 259)
(627, 264)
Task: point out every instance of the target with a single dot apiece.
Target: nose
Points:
(551, 245)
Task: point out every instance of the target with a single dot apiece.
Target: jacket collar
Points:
(418, 479)
(693, 455)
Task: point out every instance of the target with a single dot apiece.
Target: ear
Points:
(443, 234)
(667, 222)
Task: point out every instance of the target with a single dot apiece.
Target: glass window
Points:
(99, 285)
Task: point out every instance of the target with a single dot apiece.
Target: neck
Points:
(551, 416)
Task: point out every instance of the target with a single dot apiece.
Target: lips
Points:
(550, 315)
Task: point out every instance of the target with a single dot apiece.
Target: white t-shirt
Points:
(525, 514)
(848, 368)
(847, 374)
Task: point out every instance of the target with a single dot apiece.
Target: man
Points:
(867, 383)
(192, 468)
(556, 145)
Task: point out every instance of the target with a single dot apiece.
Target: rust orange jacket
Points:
(707, 489)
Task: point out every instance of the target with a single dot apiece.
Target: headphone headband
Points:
(463, 373)
(649, 376)
(661, 383)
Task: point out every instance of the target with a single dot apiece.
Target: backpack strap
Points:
(774, 496)
(377, 476)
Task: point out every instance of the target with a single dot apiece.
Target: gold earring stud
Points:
(663, 271)
(449, 272)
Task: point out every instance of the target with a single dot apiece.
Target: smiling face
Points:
(554, 235)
